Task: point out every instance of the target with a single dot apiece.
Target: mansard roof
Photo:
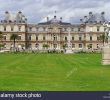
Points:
(54, 21)
(94, 18)
(14, 18)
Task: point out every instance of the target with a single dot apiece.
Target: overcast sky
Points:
(71, 10)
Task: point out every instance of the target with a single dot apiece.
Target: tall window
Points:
(36, 45)
(11, 28)
(55, 46)
(98, 29)
(73, 45)
(4, 28)
(80, 37)
(90, 46)
(30, 37)
(36, 38)
(19, 37)
(55, 38)
(44, 38)
(30, 28)
(80, 45)
(72, 29)
(19, 28)
(98, 37)
(90, 38)
(73, 38)
(79, 29)
(97, 45)
(65, 38)
(4, 37)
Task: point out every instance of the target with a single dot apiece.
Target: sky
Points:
(70, 10)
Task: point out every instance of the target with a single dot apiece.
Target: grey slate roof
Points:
(54, 21)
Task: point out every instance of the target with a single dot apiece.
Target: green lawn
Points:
(76, 72)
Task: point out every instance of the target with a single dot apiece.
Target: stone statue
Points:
(107, 32)
(106, 48)
(109, 37)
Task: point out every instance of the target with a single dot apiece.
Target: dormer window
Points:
(19, 28)
(30, 29)
(79, 29)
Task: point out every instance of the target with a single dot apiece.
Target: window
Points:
(36, 45)
(65, 38)
(78, 29)
(72, 38)
(55, 38)
(90, 46)
(98, 37)
(55, 46)
(65, 29)
(97, 45)
(104, 29)
(98, 29)
(4, 28)
(44, 38)
(80, 45)
(73, 45)
(90, 38)
(29, 37)
(80, 38)
(44, 29)
(4, 37)
(30, 29)
(11, 28)
(36, 38)
(36, 29)
(19, 28)
(30, 45)
(19, 37)
(72, 29)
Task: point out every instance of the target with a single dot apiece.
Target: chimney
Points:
(7, 16)
(61, 19)
(81, 20)
(55, 17)
(103, 13)
(85, 16)
(90, 13)
(19, 12)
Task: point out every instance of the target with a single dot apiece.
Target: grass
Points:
(76, 72)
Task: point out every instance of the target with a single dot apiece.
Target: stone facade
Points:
(54, 32)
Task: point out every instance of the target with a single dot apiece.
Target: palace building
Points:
(53, 32)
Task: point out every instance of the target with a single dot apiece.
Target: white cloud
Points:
(71, 10)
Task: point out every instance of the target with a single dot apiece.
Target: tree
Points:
(45, 46)
(1, 37)
(64, 46)
(103, 38)
(14, 37)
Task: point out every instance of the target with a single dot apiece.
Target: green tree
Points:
(1, 37)
(14, 37)
(64, 46)
(45, 46)
(103, 38)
